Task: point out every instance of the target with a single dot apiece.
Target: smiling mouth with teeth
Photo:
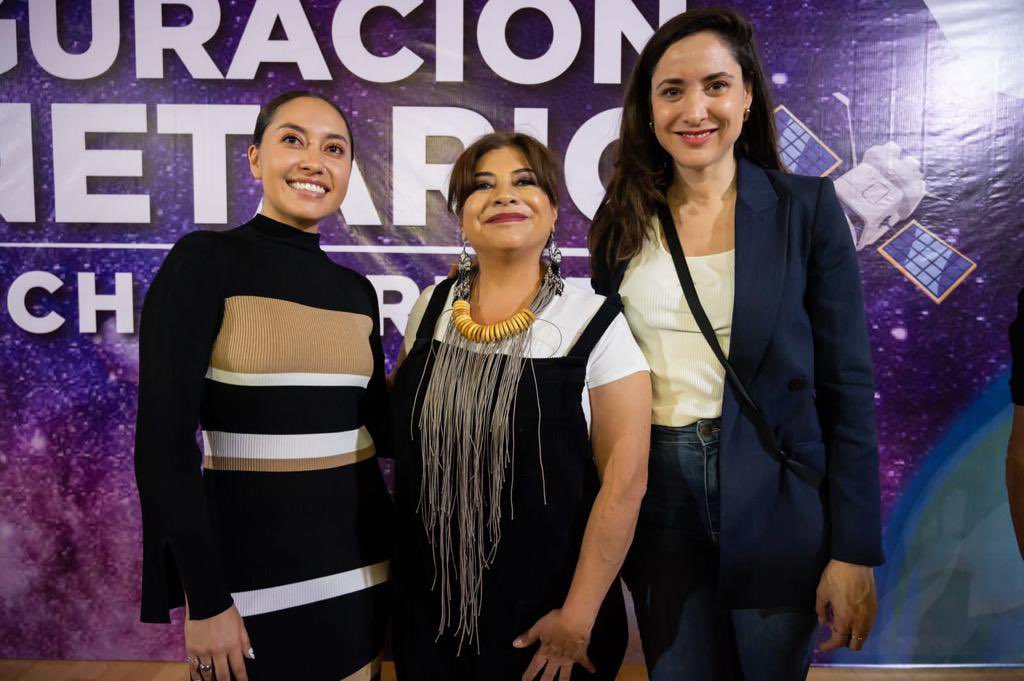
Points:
(308, 186)
(697, 133)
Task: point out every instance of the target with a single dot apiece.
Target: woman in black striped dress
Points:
(278, 544)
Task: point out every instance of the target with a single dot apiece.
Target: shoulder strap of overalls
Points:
(425, 331)
(598, 324)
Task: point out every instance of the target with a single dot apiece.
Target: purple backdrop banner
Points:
(124, 126)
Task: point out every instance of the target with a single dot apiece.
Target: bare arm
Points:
(620, 438)
(1015, 475)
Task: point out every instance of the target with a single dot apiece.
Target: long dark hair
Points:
(643, 169)
(268, 110)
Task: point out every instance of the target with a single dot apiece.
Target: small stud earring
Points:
(746, 114)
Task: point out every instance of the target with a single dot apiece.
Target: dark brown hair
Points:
(541, 160)
(643, 169)
(268, 110)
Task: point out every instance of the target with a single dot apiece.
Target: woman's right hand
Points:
(220, 640)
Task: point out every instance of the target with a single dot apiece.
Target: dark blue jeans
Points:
(672, 572)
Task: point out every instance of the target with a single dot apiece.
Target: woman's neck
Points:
(504, 286)
(709, 185)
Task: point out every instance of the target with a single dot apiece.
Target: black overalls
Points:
(536, 557)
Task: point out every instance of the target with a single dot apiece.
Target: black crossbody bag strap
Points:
(765, 433)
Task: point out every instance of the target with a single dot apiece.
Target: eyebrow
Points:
(299, 128)
(710, 76)
(518, 170)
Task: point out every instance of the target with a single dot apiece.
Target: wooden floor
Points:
(47, 670)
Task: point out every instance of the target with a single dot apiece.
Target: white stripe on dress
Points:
(272, 599)
(261, 380)
(302, 446)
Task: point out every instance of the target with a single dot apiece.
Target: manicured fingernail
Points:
(518, 642)
(252, 654)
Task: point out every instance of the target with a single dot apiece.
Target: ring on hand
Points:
(855, 637)
(191, 661)
(204, 667)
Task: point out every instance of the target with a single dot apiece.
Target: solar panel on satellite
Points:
(801, 150)
(932, 264)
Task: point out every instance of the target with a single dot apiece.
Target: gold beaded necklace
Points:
(490, 333)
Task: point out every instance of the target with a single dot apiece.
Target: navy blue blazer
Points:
(800, 345)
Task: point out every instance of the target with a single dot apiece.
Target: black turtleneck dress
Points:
(257, 337)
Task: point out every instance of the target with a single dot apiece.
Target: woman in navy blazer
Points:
(736, 559)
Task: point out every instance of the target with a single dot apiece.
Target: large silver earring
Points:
(554, 273)
(463, 280)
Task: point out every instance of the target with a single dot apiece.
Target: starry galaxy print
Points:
(70, 539)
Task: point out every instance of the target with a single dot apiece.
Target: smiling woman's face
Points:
(507, 214)
(698, 98)
(304, 162)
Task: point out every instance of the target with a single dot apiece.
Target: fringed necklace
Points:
(466, 448)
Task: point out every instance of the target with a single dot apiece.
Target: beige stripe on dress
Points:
(318, 463)
(268, 336)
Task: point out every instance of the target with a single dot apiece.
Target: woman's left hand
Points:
(847, 602)
(562, 644)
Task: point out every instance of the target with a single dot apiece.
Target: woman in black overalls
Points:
(547, 566)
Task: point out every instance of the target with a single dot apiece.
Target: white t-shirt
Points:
(616, 355)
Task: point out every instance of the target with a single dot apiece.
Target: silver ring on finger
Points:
(855, 637)
(204, 667)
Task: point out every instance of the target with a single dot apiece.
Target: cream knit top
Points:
(686, 377)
